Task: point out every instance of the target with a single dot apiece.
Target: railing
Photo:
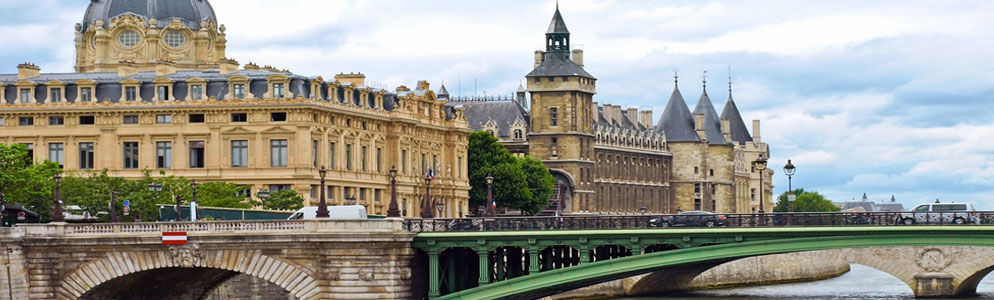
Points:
(698, 220)
(215, 226)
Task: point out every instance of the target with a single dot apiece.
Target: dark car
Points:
(694, 218)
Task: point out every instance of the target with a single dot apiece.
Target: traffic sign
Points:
(791, 198)
(127, 202)
(21, 215)
(174, 238)
(126, 210)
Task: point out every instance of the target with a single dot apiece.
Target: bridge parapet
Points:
(269, 226)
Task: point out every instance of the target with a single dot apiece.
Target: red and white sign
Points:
(174, 238)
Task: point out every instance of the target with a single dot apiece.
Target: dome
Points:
(191, 12)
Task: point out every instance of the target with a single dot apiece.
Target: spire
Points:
(892, 198)
(677, 123)
(712, 124)
(443, 93)
(864, 196)
(557, 37)
(738, 128)
(557, 25)
(521, 88)
(704, 81)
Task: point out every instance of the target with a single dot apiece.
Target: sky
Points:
(877, 97)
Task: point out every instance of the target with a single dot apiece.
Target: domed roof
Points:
(191, 12)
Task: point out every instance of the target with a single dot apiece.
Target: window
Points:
(55, 95)
(331, 150)
(239, 117)
(130, 93)
(278, 187)
(379, 159)
(244, 191)
(239, 91)
(25, 121)
(239, 154)
(517, 134)
(56, 153)
(277, 90)
(697, 170)
(314, 191)
(163, 93)
(175, 39)
(403, 161)
(197, 92)
(363, 158)
(86, 120)
(196, 118)
(434, 162)
(376, 195)
(163, 119)
(130, 155)
(128, 38)
(163, 155)
(348, 157)
(459, 167)
(25, 95)
(56, 120)
(711, 172)
(1, 121)
(277, 153)
(131, 119)
(752, 195)
(314, 153)
(85, 94)
(277, 117)
(196, 154)
(553, 116)
(85, 156)
(697, 204)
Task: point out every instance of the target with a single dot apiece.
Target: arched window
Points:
(491, 132)
(517, 134)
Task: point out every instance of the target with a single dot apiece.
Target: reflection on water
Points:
(860, 283)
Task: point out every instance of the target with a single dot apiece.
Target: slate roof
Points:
(712, 125)
(191, 12)
(740, 133)
(677, 123)
(442, 92)
(622, 122)
(112, 77)
(558, 25)
(502, 112)
(558, 64)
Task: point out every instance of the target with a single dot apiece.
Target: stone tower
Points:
(562, 134)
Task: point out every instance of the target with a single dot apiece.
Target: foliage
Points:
(806, 202)
(221, 194)
(519, 183)
(22, 182)
(540, 182)
(284, 200)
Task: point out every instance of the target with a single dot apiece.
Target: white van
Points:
(344, 212)
(940, 213)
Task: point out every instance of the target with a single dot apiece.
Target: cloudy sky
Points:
(882, 97)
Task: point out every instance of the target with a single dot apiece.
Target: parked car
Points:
(341, 212)
(940, 213)
(694, 218)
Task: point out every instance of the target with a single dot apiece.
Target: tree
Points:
(540, 182)
(22, 182)
(221, 194)
(284, 200)
(806, 202)
(519, 183)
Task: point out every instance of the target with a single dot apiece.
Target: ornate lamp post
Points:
(426, 202)
(322, 205)
(57, 214)
(760, 165)
(393, 211)
(113, 212)
(263, 194)
(193, 202)
(440, 206)
(491, 205)
(789, 169)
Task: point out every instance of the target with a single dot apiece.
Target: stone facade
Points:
(204, 117)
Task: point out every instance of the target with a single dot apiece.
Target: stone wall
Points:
(248, 287)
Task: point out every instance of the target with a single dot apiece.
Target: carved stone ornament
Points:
(334, 274)
(186, 256)
(366, 274)
(933, 260)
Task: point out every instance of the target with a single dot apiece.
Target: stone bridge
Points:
(305, 259)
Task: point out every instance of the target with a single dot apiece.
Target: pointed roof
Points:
(557, 25)
(443, 91)
(677, 123)
(712, 125)
(558, 65)
(740, 133)
(521, 88)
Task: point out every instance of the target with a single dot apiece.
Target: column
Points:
(433, 289)
(584, 255)
(484, 266)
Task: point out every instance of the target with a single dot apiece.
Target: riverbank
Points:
(750, 271)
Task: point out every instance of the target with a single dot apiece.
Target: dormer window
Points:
(86, 94)
(130, 93)
(278, 90)
(197, 92)
(239, 91)
(55, 95)
(162, 92)
(25, 95)
(517, 134)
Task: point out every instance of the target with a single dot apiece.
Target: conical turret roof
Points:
(557, 25)
(740, 133)
(443, 91)
(712, 125)
(677, 123)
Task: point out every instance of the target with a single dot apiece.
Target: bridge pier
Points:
(484, 266)
(934, 285)
(434, 290)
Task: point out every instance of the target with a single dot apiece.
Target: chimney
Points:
(632, 114)
(612, 112)
(127, 68)
(726, 130)
(27, 70)
(402, 88)
(356, 79)
(252, 67)
(539, 57)
(755, 131)
(699, 126)
(228, 66)
(578, 57)
(645, 117)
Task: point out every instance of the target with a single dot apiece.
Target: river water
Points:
(860, 282)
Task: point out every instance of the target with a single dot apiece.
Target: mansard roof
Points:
(558, 64)
(677, 123)
(712, 125)
(502, 112)
(740, 133)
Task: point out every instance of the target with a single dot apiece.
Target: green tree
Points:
(512, 187)
(25, 183)
(221, 194)
(806, 202)
(540, 183)
(284, 200)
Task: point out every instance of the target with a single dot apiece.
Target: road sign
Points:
(21, 216)
(126, 210)
(791, 198)
(127, 202)
(174, 238)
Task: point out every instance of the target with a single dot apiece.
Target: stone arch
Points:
(294, 279)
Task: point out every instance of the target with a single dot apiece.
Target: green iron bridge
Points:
(477, 260)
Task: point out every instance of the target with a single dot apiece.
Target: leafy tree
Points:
(22, 182)
(221, 194)
(806, 202)
(284, 200)
(540, 182)
(519, 183)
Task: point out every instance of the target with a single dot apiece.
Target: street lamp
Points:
(760, 165)
(440, 206)
(426, 202)
(179, 201)
(789, 169)
(393, 211)
(155, 188)
(491, 205)
(113, 212)
(322, 205)
(57, 214)
(193, 202)
(263, 194)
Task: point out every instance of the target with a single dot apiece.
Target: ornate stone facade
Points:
(207, 118)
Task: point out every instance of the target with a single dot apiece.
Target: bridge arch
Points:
(113, 265)
(554, 281)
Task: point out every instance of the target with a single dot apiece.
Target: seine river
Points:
(860, 283)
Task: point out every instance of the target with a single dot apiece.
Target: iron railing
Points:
(592, 222)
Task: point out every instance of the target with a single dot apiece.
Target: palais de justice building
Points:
(154, 90)
(611, 160)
